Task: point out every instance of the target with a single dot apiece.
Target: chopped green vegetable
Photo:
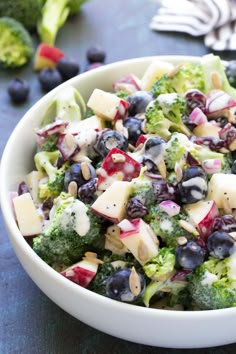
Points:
(213, 284)
(16, 46)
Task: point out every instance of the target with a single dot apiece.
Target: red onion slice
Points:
(218, 100)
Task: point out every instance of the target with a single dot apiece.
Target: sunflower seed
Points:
(134, 282)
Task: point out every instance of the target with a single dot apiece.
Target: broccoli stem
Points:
(54, 15)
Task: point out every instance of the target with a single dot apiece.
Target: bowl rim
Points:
(38, 262)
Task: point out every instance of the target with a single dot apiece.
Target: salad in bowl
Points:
(130, 192)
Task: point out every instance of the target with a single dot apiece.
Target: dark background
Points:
(29, 321)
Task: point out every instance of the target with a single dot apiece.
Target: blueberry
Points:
(49, 79)
(193, 186)
(121, 287)
(80, 173)
(96, 54)
(134, 127)
(220, 244)
(110, 139)
(231, 72)
(138, 102)
(154, 146)
(68, 68)
(190, 255)
(18, 90)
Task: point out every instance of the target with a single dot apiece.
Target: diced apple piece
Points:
(117, 166)
(32, 181)
(222, 189)
(112, 203)
(207, 129)
(202, 214)
(113, 242)
(82, 272)
(28, 219)
(107, 105)
(139, 238)
(47, 56)
(154, 72)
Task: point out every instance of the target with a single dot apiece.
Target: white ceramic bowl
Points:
(161, 328)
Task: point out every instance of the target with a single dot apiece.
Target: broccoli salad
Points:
(133, 194)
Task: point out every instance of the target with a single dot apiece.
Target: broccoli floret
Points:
(175, 152)
(213, 284)
(54, 16)
(165, 115)
(189, 76)
(155, 287)
(67, 105)
(168, 228)
(27, 12)
(50, 143)
(142, 189)
(227, 163)
(16, 46)
(199, 152)
(182, 297)
(160, 266)
(71, 231)
(53, 188)
(108, 267)
(45, 163)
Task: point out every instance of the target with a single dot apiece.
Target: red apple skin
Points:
(123, 110)
(111, 168)
(205, 225)
(81, 276)
(47, 56)
(50, 52)
(136, 226)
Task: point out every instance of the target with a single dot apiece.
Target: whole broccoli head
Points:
(165, 115)
(53, 17)
(168, 228)
(71, 231)
(187, 76)
(161, 266)
(16, 46)
(27, 12)
(213, 284)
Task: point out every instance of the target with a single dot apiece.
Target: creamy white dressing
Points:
(166, 100)
(166, 225)
(208, 278)
(196, 182)
(77, 211)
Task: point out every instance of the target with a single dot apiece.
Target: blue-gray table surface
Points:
(30, 323)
